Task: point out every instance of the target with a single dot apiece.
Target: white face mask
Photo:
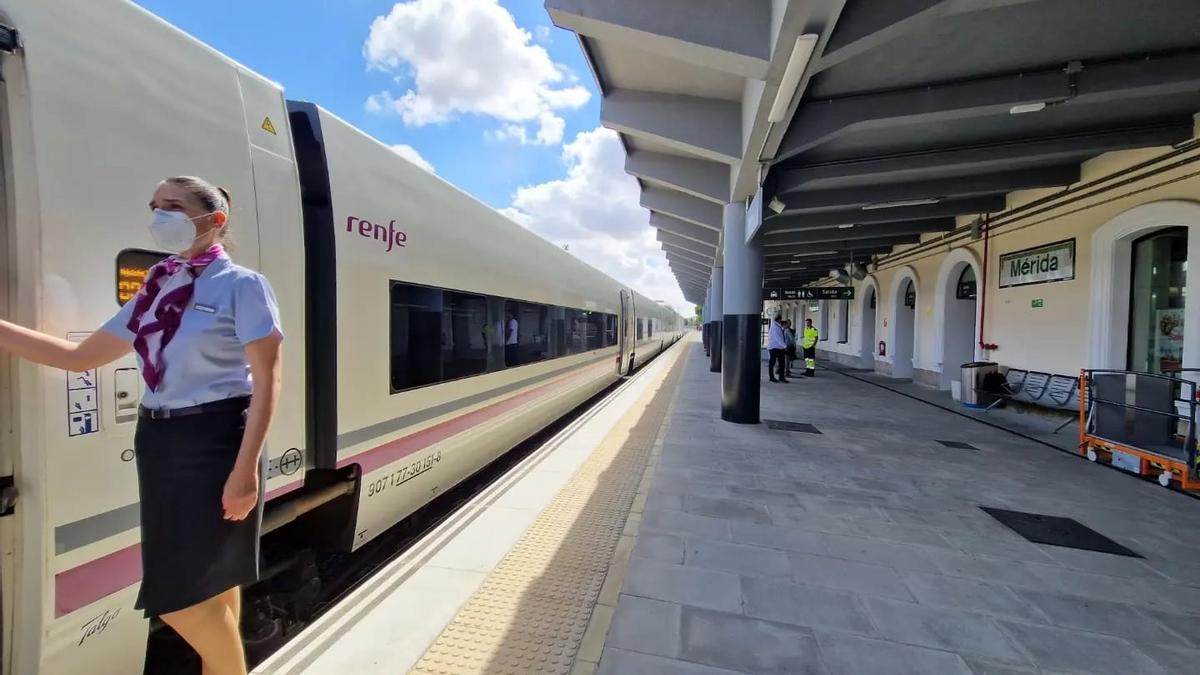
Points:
(173, 231)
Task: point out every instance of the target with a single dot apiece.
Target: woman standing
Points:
(208, 341)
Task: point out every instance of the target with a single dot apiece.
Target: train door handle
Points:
(127, 394)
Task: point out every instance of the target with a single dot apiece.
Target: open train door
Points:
(625, 334)
(7, 437)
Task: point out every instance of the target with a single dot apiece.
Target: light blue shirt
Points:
(231, 306)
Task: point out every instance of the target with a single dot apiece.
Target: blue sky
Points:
(488, 92)
(314, 48)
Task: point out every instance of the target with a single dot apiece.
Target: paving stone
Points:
(848, 575)
(686, 523)
(804, 605)
(1012, 547)
(795, 487)
(1069, 651)
(1103, 563)
(739, 558)
(789, 539)
(1103, 587)
(948, 629)
(1101, 616)
(892, 554)
(727, 509)
(621, 662)
(853, 655)
(908, 534)
(828, 506)
(969, 594)
(660, 546)
(762, 496)
(980, 667)
(663, 501)
(1173, 659)
(645, 625)
(997, 570)
(750, 645)
(683, 585)
(1186, 625)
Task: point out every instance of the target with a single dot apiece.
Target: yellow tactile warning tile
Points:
(537, 611)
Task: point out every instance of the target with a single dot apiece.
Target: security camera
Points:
(857, 270)
(776, 204)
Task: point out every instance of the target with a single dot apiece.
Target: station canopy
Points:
(897, 116)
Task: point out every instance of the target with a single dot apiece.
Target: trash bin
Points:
(972, 375)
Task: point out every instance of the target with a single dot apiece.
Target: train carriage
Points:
(404, 372)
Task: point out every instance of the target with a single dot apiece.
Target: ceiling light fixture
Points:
(901, 203)
(845, 227)
(776, 204)
(796, 65)
(1027, 108)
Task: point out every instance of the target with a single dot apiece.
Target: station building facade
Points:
(1092, 275)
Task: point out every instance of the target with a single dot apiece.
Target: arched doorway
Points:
(1128, 305)
(959, 320)
(869, 317)
(905, 312)
(1156, 300)
(903, 338)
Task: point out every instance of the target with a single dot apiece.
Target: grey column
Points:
(714, 342)
(704, 333)
(742, 306)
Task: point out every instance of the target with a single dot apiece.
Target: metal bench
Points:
(1062, 393)
(1059, 392)
(1033, 388)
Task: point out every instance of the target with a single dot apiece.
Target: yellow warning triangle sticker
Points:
(268, 126)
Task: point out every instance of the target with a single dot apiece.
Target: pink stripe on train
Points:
(80, 586)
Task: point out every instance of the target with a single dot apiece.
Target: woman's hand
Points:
(241, 492)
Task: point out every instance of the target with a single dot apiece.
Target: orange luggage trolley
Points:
(1144, 423)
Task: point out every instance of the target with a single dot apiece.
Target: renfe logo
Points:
(388, 235)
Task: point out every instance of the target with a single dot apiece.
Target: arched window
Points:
(910, 294)
(966, 288)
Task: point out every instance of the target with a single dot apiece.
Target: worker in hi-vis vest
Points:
(809, 343)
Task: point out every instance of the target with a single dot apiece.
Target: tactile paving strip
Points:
(530, 614)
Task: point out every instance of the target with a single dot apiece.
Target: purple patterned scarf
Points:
(164, 297)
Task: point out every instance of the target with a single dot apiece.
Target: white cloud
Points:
(542, 33)
(470, 57)
(594, 210)
(410, 153)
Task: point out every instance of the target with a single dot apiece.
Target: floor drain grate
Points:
(1056, 531)
(791, 426)
(958, 445)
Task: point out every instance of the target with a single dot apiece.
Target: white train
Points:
(398, 294)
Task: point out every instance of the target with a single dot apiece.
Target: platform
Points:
(862, 548)
(652, 538)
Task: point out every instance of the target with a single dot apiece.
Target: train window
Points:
(416, 336)
(464, 340)
(132, 266)
(640, 328)
(526, 333)
(439, 335)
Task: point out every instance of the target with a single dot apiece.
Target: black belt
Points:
(227, 406)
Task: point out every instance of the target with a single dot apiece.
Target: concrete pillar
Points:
(707, 319)
(742, 307)
(714, 364)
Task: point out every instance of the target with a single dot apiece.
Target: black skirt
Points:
(190, 553)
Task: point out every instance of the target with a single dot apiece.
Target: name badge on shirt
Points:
(204, 308)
